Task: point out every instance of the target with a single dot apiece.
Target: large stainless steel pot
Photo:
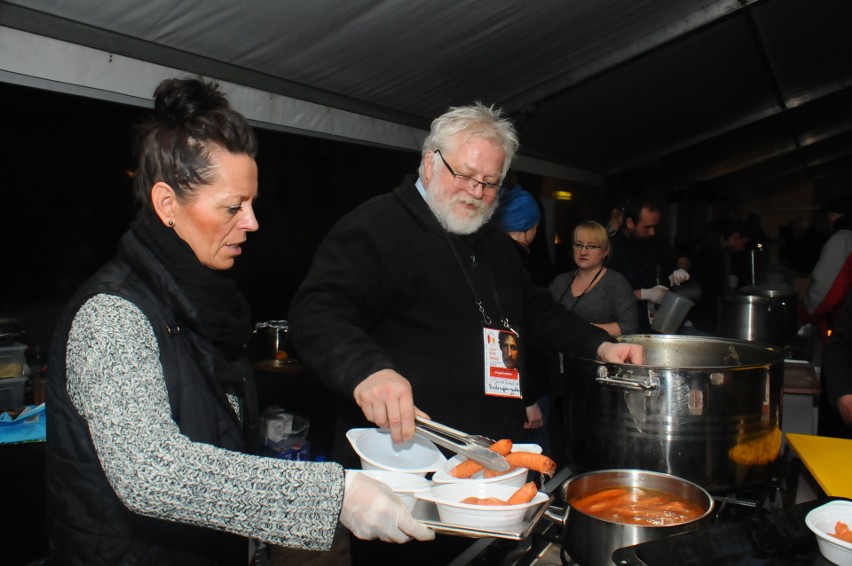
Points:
(760, 314)
(704, 409)
(590, 541)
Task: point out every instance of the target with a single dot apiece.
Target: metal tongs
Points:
(472, 446)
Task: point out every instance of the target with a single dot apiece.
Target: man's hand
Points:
(619, 353)
(535, 418)
(654, 294)
(844, 404)
(387, 400)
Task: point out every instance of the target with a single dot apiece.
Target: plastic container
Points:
(12, 393)
(12, 359)
(822, 521)
(448, 499)
(516, 477)
(377, 451)
(284, 434)
(672, 313)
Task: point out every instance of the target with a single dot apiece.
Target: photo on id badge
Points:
(502, 377)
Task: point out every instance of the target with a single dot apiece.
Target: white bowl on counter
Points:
(406, 486)
(822, 521)
(377, 451)
(516, 478)
(447, 498)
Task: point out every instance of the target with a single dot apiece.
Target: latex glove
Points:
(654, 294)
(678, 276)
(371, 510)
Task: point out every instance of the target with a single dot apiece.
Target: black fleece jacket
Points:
(386, 291)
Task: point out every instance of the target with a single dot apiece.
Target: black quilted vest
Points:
(88, 524)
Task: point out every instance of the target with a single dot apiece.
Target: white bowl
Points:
(515, 478)
(822, 521)
(447, 498)
(403, 484)
(378, 452)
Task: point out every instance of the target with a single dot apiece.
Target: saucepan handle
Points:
(629, 380)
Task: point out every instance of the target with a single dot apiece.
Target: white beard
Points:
(455, 223)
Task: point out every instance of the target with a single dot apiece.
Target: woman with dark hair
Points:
(151, 402)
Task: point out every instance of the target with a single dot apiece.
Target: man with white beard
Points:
(409, 293)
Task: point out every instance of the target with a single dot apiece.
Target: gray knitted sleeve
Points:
(115, 381)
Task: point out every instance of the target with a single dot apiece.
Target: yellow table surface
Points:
(829, 460)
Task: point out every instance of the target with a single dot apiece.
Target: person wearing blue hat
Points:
(519, 216)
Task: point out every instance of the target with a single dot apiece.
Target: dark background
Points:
(66, 200)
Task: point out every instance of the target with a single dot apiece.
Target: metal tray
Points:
(427, 512)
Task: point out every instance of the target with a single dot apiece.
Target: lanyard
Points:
(586, 290)
(479, 306)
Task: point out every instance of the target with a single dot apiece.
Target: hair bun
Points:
(185, 99)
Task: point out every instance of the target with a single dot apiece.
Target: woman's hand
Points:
(371, 510)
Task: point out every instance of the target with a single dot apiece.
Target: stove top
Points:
(775, 537)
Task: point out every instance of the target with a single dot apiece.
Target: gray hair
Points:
(477, 121)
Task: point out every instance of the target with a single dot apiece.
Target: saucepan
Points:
(590, 540)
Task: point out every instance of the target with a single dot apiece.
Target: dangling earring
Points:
(171, 223)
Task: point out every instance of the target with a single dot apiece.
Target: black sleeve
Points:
(837, 357)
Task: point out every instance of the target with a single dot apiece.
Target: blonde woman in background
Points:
(592, 291)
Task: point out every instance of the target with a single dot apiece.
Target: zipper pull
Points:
(473, 260)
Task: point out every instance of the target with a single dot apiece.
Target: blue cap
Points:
(518, 211)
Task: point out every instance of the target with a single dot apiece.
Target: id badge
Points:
(502, 377)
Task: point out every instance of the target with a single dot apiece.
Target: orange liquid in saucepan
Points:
(637, 506)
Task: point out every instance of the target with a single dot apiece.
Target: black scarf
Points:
(223, 313)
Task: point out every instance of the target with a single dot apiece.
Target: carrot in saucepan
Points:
(469, 467)
(524, 494)
(536, 462)
(582, 503)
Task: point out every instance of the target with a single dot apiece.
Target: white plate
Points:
(447, 498)
(515, 478)
(378, 452)
(822, 521)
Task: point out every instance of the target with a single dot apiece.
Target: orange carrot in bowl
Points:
(536, 462)
(483, 501)
(469, 467)
(524, 494)
(841, 531)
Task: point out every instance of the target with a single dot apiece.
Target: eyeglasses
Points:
(582, 246)
(465, 183)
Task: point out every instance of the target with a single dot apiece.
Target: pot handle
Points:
(558, 515)
(646, 383)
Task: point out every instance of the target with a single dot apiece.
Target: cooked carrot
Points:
(494, 473)
(536, 462)
(841, 531)
(469, 467)
(524, 494)
(582, 503)
(502, 446)
(483, 501)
